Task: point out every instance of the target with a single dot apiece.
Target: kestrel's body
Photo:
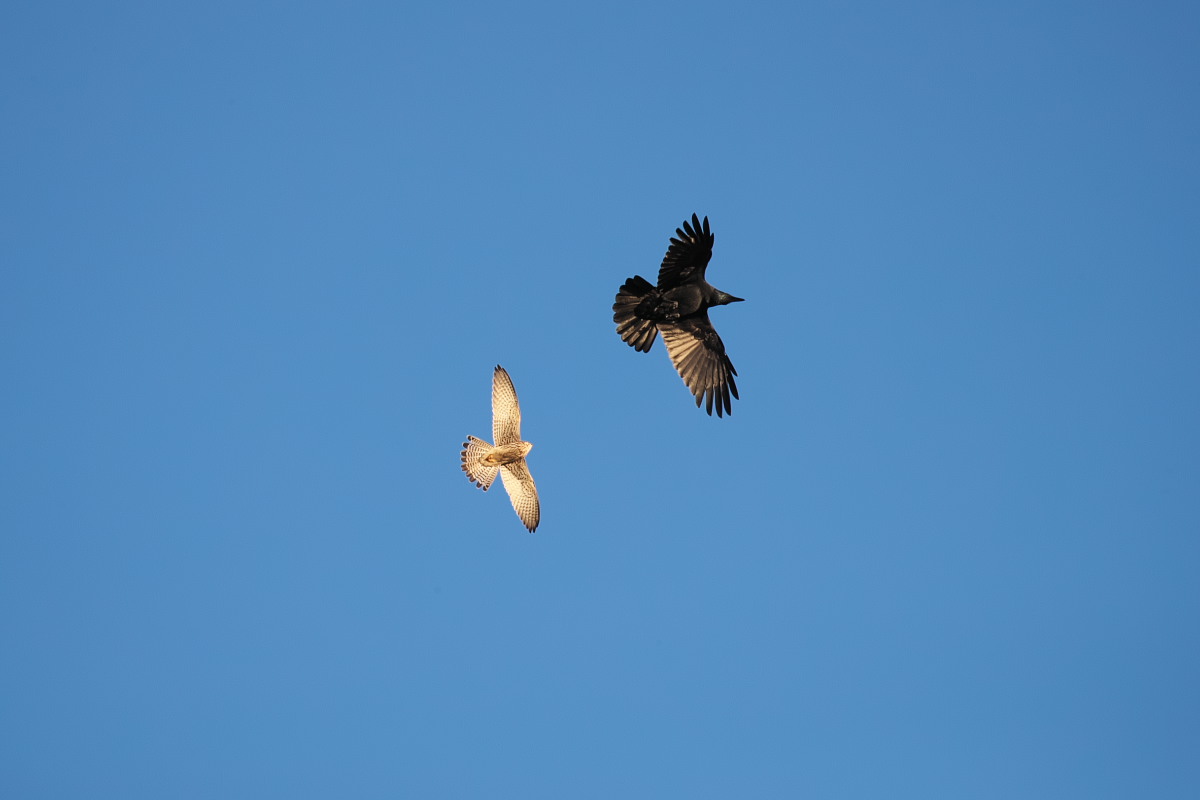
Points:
(481, 461)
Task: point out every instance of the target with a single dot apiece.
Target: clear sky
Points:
(260, 259)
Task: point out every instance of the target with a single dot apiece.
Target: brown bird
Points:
(678, 308)
(481, 461)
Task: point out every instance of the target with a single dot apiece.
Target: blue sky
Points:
(259, 260)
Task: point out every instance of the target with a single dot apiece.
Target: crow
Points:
(678, 308)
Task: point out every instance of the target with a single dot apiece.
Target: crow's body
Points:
(678, 309)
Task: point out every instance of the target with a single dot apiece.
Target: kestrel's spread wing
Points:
(699, 356)
(523, 492)
(688, 255)
(506, 411)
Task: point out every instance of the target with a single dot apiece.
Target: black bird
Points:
(678, 308)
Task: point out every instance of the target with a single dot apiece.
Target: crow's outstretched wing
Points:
(699, 357)
(688, 254)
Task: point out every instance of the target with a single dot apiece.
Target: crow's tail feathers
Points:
(635, 331)
(478, 473)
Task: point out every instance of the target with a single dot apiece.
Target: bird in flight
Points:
(678, 309)
(481, 461)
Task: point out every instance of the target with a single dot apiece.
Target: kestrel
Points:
(481, 461)
(678, 308)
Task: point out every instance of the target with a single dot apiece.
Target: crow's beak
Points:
(732, 299)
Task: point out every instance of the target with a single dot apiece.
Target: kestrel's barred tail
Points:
(478, 473)
(636, 332)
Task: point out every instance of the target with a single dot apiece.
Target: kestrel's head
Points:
(525, 448)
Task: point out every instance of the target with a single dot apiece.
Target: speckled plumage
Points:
(482, 461)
